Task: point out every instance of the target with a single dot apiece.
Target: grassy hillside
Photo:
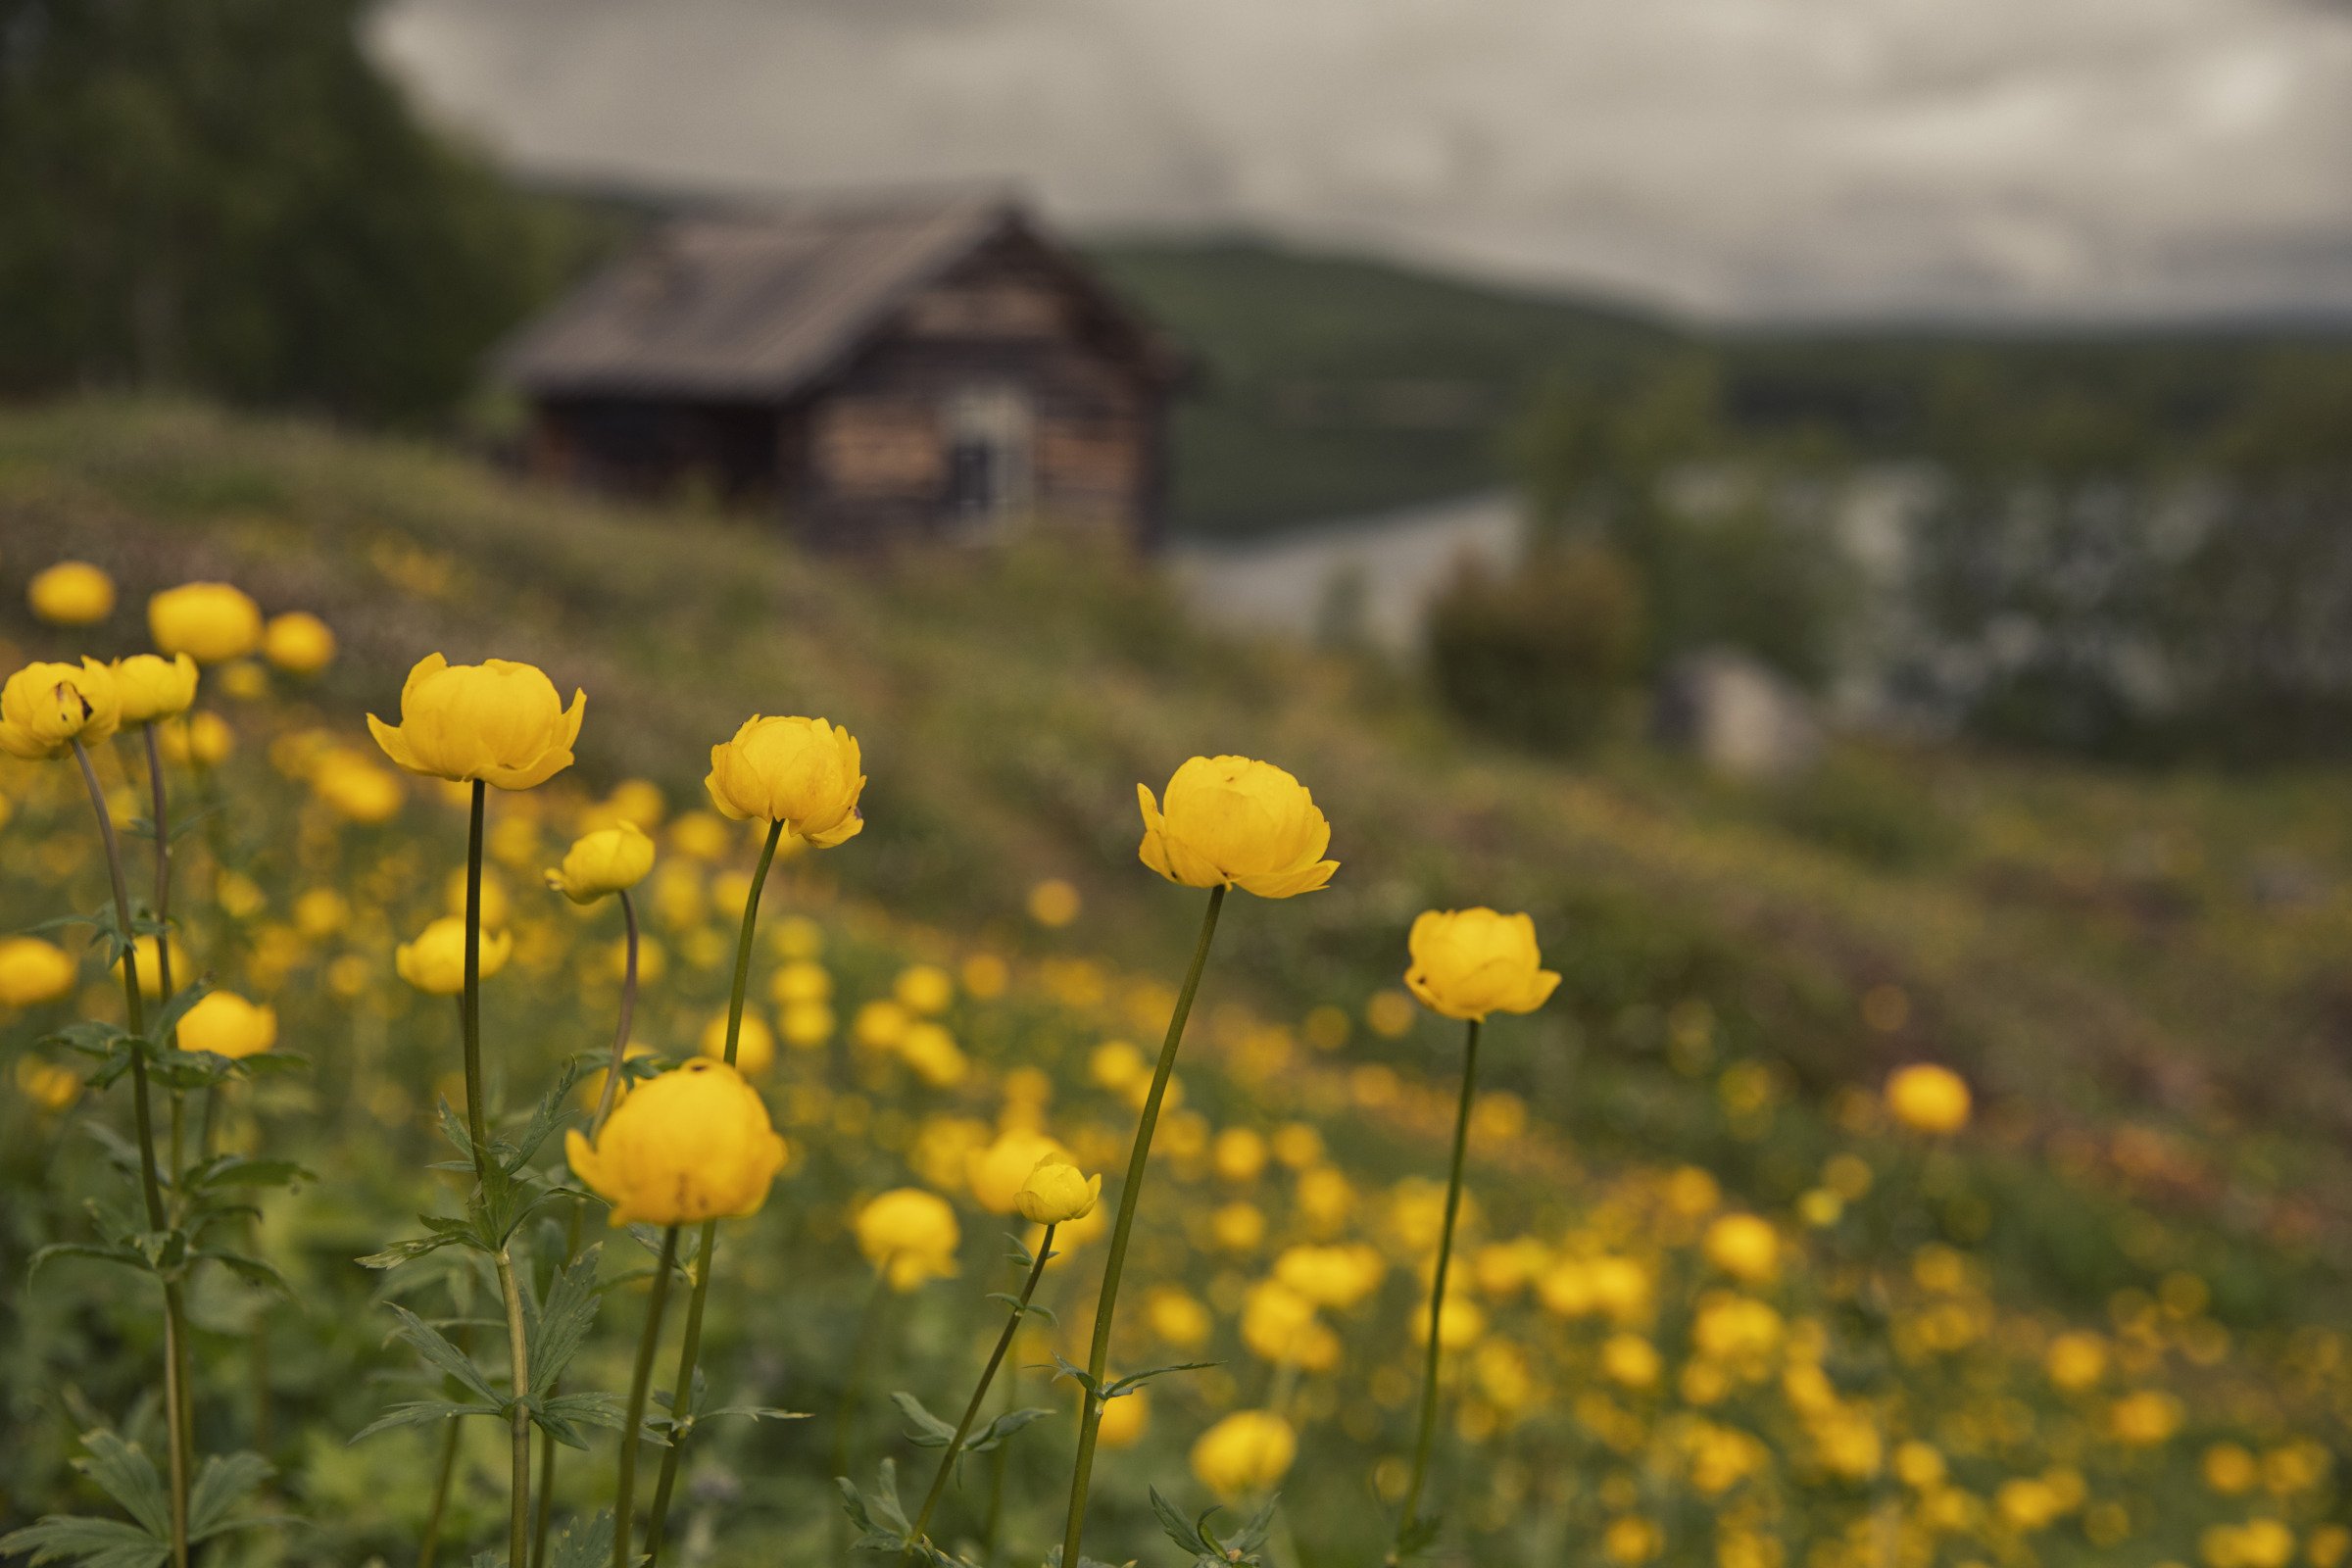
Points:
(2097, 952)
(2142, 977)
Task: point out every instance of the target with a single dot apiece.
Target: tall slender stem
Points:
(682, 1391)
(442, 1476)
(632, 1430)
(161, 821)
(972, 1411)
(628, 1010)
(518, 1511)
(862, 1351)
(1090, 1408)
(1437, 1298)
(150, 1185)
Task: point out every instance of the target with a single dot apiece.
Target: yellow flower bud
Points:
(1056, 1192)
(435, 962)
(45, 707)
(1247, 1451)
(72, 593)
(1744, 1247)
(46, 1084)
(911, 1235)
(1232, 822)
(605, 861)
(1929, 1099)
(498, 722)
(1470, 962)
(1001, 1170)
(802, 772)
(298, 643)
(34, 971)
(686, 1145)
(150, 687)
(211, 621)
(227, 1025)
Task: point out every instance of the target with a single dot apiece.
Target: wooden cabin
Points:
(938, 369)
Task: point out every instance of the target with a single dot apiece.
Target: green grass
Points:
(2096, 950)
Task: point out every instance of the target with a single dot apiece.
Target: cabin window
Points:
(988, 433)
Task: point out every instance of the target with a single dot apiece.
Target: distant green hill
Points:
(1329, 386)
(1332, 386)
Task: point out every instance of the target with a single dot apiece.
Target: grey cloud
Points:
(1735, 156)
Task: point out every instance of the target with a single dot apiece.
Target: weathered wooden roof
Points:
(749, 304)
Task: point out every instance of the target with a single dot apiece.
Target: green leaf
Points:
(563, 1416)
(166, 1017)
(445, 1356)
(1419, 1538)
(994, 1434)
(418, 1412)
(126, 1256)
(930, 1432)
(128, 1475)
(553, 1112)
(92, 1542)
(1136, 1380)
(558, 1327)
(251, 1270)
(224, 1482)
(586, 1544)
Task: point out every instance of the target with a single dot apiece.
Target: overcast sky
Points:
(1746, 158)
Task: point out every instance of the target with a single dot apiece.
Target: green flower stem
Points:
(546, 1504)
(995, 1516)
(1437, 1298)
(988, 1373)
(176, 1331)
(862, 1351)
(628, 1010)
(518, 1511)
(1090, 1410)
(682, 1391)
(441, 1479)
(632, 1430)
(161, 821)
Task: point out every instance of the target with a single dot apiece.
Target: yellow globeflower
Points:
(72, 593)
(34, 971)
(1001, 1169)
(211, 621)
(298, 643)
(911, 1235)
(1929, 1099)
(605, 861)
(1232, 822)
(435, 962)
(1247, 1451)
(45, 707)
(1745, 1248)
(497, 721)
(1470, 962)
(355, 788)
(227, 1025)
(802, 772)
(150, 687)
(1056, 1192)
(202, 737)
(2076, 1361)
(686, 1145)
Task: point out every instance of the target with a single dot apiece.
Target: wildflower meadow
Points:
(416, 1151)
